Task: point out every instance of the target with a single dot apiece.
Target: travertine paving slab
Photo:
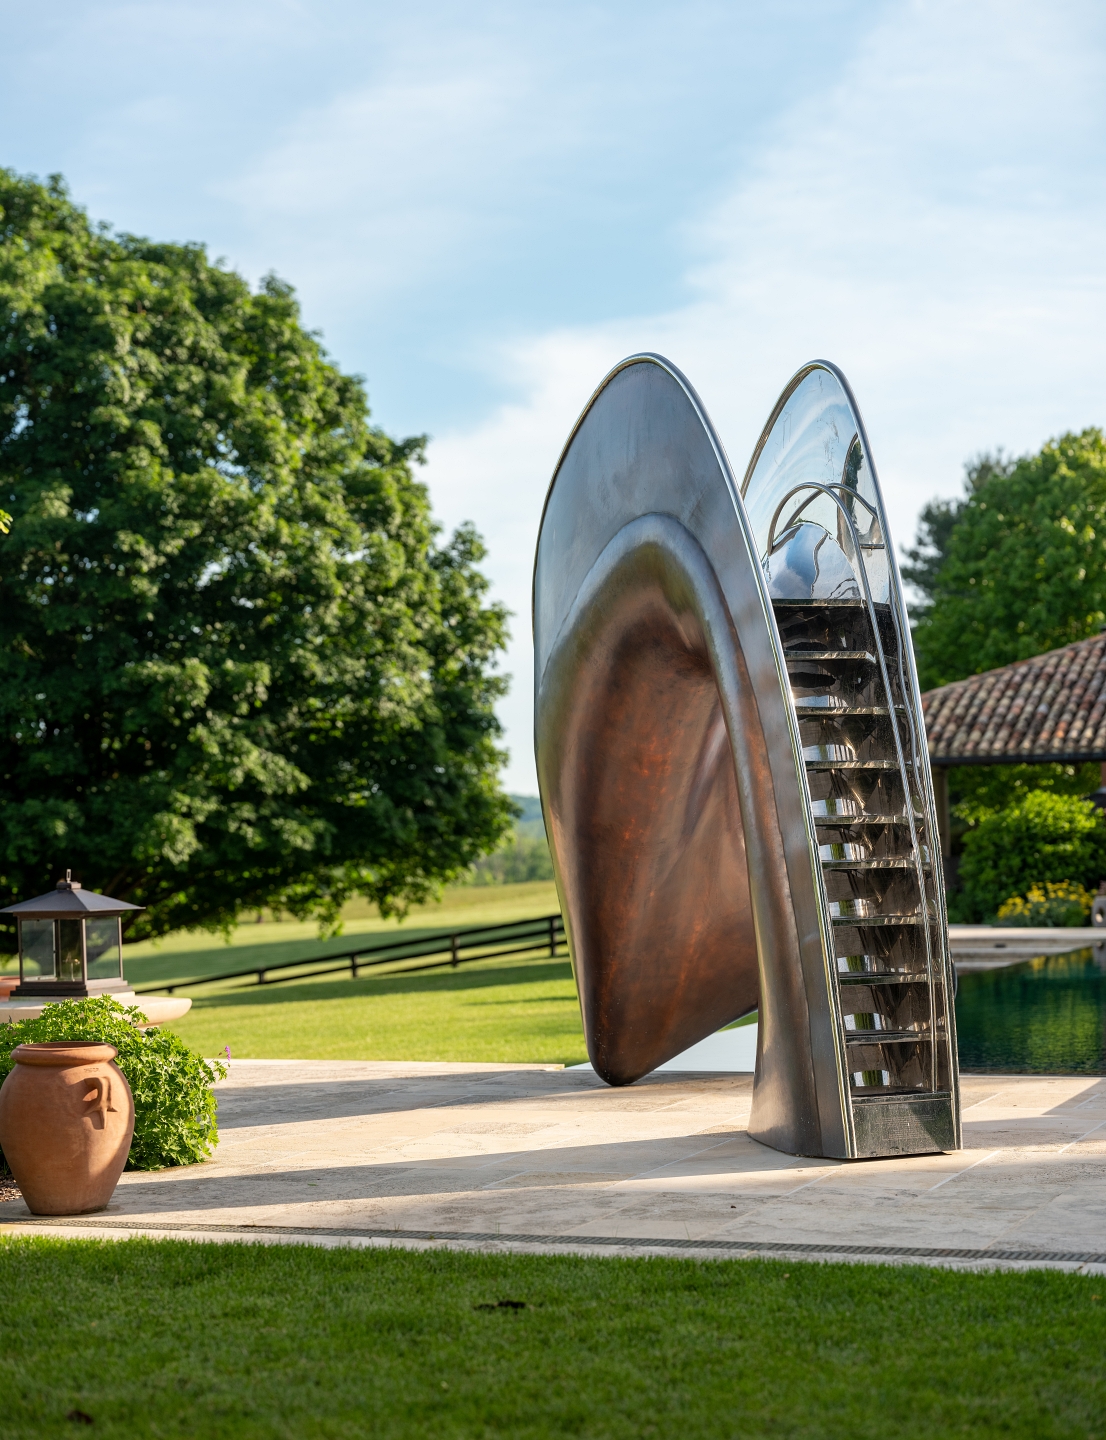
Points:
(368, 1153)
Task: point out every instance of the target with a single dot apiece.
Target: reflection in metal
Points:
(732, 763)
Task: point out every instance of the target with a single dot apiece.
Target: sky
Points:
(483, 207)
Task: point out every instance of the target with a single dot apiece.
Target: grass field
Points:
(189, 953)
(494, 1011)
(499, 1010)
(164, 1338)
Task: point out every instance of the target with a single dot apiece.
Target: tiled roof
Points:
(1052, 707)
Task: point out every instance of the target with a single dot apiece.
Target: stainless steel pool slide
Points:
(732, 762)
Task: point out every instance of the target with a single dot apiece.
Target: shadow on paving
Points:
(204, 1188)
(297, 1102)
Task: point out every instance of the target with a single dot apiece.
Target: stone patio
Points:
(536, 1158)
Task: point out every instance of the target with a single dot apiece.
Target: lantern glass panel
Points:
(37, 942)
(69, 950)
(102, 940)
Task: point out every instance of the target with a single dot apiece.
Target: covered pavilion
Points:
(1049, 708)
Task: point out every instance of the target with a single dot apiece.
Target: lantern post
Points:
(70, 944)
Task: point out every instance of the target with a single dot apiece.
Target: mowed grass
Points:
(487, 1011)
(192, 953)
(164, 1338)
(495, 1010)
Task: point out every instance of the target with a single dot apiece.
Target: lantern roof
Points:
(69, 901)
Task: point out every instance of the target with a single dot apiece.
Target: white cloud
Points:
(377, 179)
(497, 475)
(925, 220)
(909, 187)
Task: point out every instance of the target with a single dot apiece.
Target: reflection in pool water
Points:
(1045, 1016)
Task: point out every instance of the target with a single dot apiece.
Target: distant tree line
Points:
(523, 855)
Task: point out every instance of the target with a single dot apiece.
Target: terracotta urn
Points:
(66, 1121)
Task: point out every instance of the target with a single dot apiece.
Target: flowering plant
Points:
(1061, 902)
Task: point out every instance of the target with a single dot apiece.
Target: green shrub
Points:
(1064, 903)
(174, 1105)
(1043, 837)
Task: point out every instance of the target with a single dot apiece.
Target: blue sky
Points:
(485, 206)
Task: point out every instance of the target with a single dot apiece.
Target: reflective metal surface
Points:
(817, 516)
(730, 759)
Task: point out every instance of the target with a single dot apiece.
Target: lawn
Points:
(164, 1338)
(188, 953)
(495, 1010)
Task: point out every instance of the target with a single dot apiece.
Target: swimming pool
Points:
(1045, 1016)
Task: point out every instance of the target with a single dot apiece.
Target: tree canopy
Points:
(1018, 566)
(237, 668)
(923, 560)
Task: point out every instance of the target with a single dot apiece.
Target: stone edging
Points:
(481, 1237)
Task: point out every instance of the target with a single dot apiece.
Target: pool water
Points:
(1044, 1017)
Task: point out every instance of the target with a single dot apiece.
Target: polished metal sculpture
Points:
(733, 766)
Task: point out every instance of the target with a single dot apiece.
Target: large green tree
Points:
(1016, 567)
(236, 666)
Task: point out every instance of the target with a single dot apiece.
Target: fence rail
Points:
(542, 937)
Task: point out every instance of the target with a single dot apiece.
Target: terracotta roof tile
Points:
(1051, 707)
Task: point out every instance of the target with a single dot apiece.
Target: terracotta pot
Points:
(7, 985)
(66, 1121)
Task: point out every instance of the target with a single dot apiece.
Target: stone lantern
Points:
(70, 944)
